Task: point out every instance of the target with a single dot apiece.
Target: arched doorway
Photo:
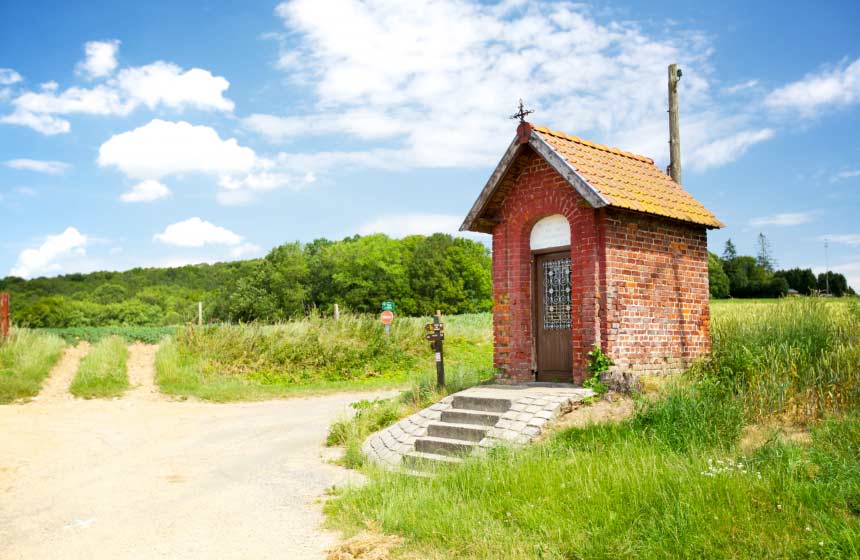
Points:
(551, 299)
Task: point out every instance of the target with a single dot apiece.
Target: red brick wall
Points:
(539, 192)
(653, 275)
(656, 293)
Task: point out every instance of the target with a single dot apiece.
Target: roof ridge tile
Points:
(594, 145)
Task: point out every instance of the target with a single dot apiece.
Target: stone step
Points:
(465, 432)
(421, 461)
(483, 404)
(444, 446)
(475, 417)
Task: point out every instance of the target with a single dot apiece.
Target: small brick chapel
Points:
(592, 246)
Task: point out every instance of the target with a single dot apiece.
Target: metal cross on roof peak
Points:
(521, 114)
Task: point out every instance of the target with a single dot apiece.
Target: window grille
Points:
(556, 301)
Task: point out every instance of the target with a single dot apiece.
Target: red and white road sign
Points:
(386, 317)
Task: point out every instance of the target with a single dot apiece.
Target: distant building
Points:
(592, 246)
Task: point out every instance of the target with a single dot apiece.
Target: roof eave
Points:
(493, 182)
(563, 168)
(555, 160)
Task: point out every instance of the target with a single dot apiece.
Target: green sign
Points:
(388, 306)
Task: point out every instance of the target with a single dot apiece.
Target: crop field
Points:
(683, 477)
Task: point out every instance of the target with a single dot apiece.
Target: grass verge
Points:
(252, 362)
(665, 484)
(26, 359)
(102, 372)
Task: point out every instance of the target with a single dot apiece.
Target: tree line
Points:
(420, 273)
(742, 276)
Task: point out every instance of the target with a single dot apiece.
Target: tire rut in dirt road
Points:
(56, 387)
(141, 372)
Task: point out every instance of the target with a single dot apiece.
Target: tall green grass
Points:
(236, 362)
(669, 483)
(102, 372)
(26, 359)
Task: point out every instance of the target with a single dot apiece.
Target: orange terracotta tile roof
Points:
(628, 180)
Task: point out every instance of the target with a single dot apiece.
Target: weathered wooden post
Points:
(336, 312)
(674, 126)
(436, 334)
(200, 313)
(4, 315)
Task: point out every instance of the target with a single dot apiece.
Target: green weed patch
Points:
(102, 372)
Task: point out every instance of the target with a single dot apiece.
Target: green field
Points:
(676, 480)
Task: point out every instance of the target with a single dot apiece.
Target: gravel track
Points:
(143, 476)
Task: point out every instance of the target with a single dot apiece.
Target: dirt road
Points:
(144, 477)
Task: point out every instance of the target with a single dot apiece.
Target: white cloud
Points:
(852, 239)
(25, 191)
(162, 148)
(39, 166)
(157, 85)
(843, 175)
(48, 256)
(828, 88)
(100, 59)
(438, 79)
(195, 232)
(9, 77)
(245, 250)
(743, 86)
(785, 219)
(38, 110)
(402, 225)
(164, 83)
(145, 191)
(724, 150)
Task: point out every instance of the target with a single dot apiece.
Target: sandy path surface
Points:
(144, 477)
(56, 387)
(141, 371)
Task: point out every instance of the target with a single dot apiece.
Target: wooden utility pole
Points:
(4, 315)
(674, 127)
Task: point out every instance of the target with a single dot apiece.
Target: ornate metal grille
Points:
(556, 297)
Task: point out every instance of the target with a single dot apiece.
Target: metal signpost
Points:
(4, 315)
(387, 315)
(436, 334)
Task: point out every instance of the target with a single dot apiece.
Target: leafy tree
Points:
(718, 281)
(109, 293)
(801, 279)
(837, 282)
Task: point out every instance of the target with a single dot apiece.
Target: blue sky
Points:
(166, 133)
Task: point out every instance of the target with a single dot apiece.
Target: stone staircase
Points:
(457, 433)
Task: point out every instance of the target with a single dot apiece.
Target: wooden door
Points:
(552, 314)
